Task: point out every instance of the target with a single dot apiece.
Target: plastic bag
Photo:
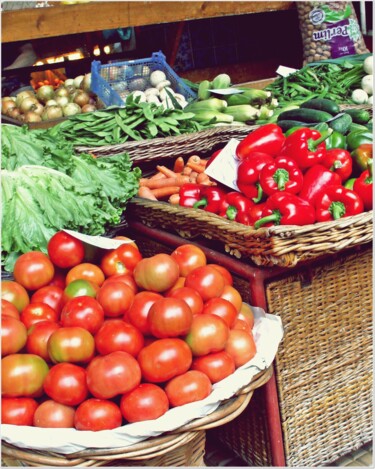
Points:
(329, 30)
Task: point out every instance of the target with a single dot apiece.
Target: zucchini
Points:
(322, 104)
(306, 115)
(204, 89)
(359, 116)
(341, 123)
(354, 127)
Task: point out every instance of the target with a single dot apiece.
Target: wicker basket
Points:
(183, 447)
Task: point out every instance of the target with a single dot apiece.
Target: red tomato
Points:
(190, 296)
(71, 344)
(18, 410)
(246, 314)
(157, 273)
(117, 335)
(242, 325)
(80, 288)
(124, 278)
(189, 387)
(14, 293)
(13, 335)
(86, 271)
(65, 250)
(22, 375)
(50, 295)
(115, 298)
(222, 308)
(97, 414)
(58, 279)
(36, 312)
(179, 284)
(188, 258)
(207, 280)
(164, 359)
(66, 383)
(51, 414)
(121, 260)
(113, 374)
(216, 366)
(228, 279)
(169, 317)
(33, 270)
(241, 346)
(83, 311)
(37, 338)
(208, 333)
(138, 312)
(8, 309)
(146, 402)
(233, 295)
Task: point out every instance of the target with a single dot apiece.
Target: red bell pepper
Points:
(282, 174)
(256, 212)
(363, 186)
(336, 202)
(315, 179)
(248, 172)
(211, 199)
(306, 146)
(268, 138)
(237, 207)
(190, 193)
(283, 208)
(339, 161)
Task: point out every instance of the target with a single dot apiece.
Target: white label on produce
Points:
(224, 167)
(99, 241)
(226, 91)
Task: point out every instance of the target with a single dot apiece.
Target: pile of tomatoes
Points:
(96, 345)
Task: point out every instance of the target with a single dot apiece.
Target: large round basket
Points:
(184, 446)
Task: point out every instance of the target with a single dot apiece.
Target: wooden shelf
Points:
(60, 20)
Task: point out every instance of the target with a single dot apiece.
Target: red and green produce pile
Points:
(47, 187)
(96, 345)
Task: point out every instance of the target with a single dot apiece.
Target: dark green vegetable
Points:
(341, 123)
(355, 127)
(356, 138)
(305, 115)
(359, 116)
(290, 124)
(322, 104)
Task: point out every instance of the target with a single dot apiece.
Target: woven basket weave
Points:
(183, 447)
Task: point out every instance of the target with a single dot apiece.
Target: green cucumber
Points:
(285, 125)
(341, 123)
(359, 116)
(305, 115)
(322, 104)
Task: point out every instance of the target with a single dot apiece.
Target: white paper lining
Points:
(268, 333)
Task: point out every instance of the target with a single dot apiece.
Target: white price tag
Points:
(285, 71)
(99, 241)
(226, 91)
(224, 167)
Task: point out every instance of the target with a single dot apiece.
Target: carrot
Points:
(194, 159)
(166, 171)
(174, 199)
(179, 165)
(193, 176)
(196, 167)
(203, 162)
(202, 177)
(161, 192)
(146, 193)
(157, 175)
(167, 182)
(186, 171)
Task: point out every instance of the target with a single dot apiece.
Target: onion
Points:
(86, 83)
(51, 102)
(7, 106)
(21, 118)
(52, 112)
(62, 100)
(81, 98)
(62, 91)
(72, 109)
(45, 93)
(24, 94)
(77, 81)
(28, 104)
(39, 108)
(71, 89)
(69, 82)
(31, 116)
(88, 108)
(14, 113)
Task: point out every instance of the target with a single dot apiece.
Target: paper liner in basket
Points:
(268, 333)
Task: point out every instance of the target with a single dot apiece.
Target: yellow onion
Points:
(61, 91)
(32, 116)
(89, 108)
(7, 106)
(28, 104)
(52, 112)
(45, 93)
(86, 83)
(24, 94)
(81, 98)
(39, 108)
(72, 109)
(14, 113)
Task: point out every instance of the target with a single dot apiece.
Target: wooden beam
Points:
(60, 20)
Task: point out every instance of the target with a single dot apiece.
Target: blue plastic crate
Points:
(109, 81)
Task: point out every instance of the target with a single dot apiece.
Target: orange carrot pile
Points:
(165, 183)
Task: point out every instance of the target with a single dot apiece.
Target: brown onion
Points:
(14, 113)
(31, 116)
(86, 83)
(28, 104)
(61, 91)
(24, 94)
(72, 109)
(51, 102)
(7, 106)
(88, 108)
(45, 93)
(52, 112)
(39, 108)
(81, 98)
